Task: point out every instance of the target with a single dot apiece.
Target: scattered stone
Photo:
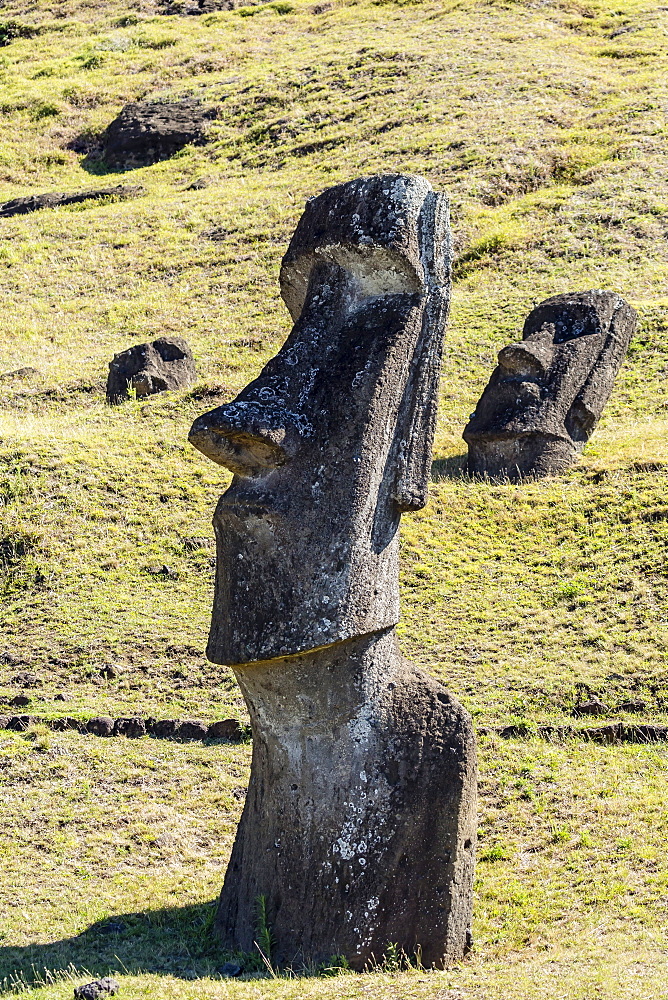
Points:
(165, 729)
(26, 679)
(32, 203)
(155, 569)
(198, 542)
(148, 131)
(19, 723)
(197, 7)
(65, 724)
(133, 728)
(161, 365)
(230, 969)
(593, 707)
(547, 393)
(321, 8)
(101, 725)
(192, 729)
(109, 671)
(199, 184)
(98, 988)
(228, 729)
(20, 701)
(61, 696)
(516, 731)
(632, 706)
(614, 733)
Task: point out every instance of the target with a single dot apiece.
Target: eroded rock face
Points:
(549, 390)
(358, 830)
(148, 131)
(162, 364)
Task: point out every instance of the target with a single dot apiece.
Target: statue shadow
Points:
(453, 467)
(174, 941)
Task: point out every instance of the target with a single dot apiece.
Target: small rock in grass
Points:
(101, 725)
(61, 696)
(19, 723)
(109, 671)
(230, 969)
(133, 728)
(155, 569)
(164, 729)
(227, 729)
(20, 700)
(98, 988)
(593, 707)
(632, 706)
(26, 679)
(145, 369)
(192, 729)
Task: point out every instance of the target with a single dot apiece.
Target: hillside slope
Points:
(546, 124)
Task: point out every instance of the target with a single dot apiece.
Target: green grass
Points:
(546, 125)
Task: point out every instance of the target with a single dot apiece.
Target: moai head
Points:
(547, 393)
(333, 440)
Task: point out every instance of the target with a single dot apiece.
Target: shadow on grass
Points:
(175, 941)
(449, 468)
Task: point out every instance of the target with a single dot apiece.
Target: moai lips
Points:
(548, 392)
(358, 829)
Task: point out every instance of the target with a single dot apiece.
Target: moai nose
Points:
(239, 441)
(526, 358)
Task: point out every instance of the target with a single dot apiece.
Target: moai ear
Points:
(391, 234)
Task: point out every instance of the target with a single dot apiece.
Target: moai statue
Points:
(547, 393)
(359, 826)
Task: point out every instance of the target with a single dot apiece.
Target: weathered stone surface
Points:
(19, 723)
(165, 729)
(359, 824)
(163, 364)
(133, 728)
(101, 725)
(33, 202)
(226, 729)
(191, 729)
(547, 393)
(196, 7)
(592, 707)
(98, 988)
(66, 724)
(148, 131)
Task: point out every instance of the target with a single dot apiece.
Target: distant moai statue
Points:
(548, 391)
(359, 826)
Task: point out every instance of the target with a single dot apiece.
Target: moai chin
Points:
(358, 830)
(547, 393)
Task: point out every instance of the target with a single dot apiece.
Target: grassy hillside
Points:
(546, 123)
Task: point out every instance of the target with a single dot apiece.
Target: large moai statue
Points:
(359, 826)
(548, 392)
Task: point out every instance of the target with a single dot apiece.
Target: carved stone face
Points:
(333, 439)
(548, 391)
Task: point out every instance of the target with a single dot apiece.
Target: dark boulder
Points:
(163, 364)
(548, 391)
(592, 707)
(192, 729)
(19, 723)
(227, 729)
(133, 728)
(165, 729)
(66, 724)
(33, 202)
(101, 725)
(148, 131)
(98, 988)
